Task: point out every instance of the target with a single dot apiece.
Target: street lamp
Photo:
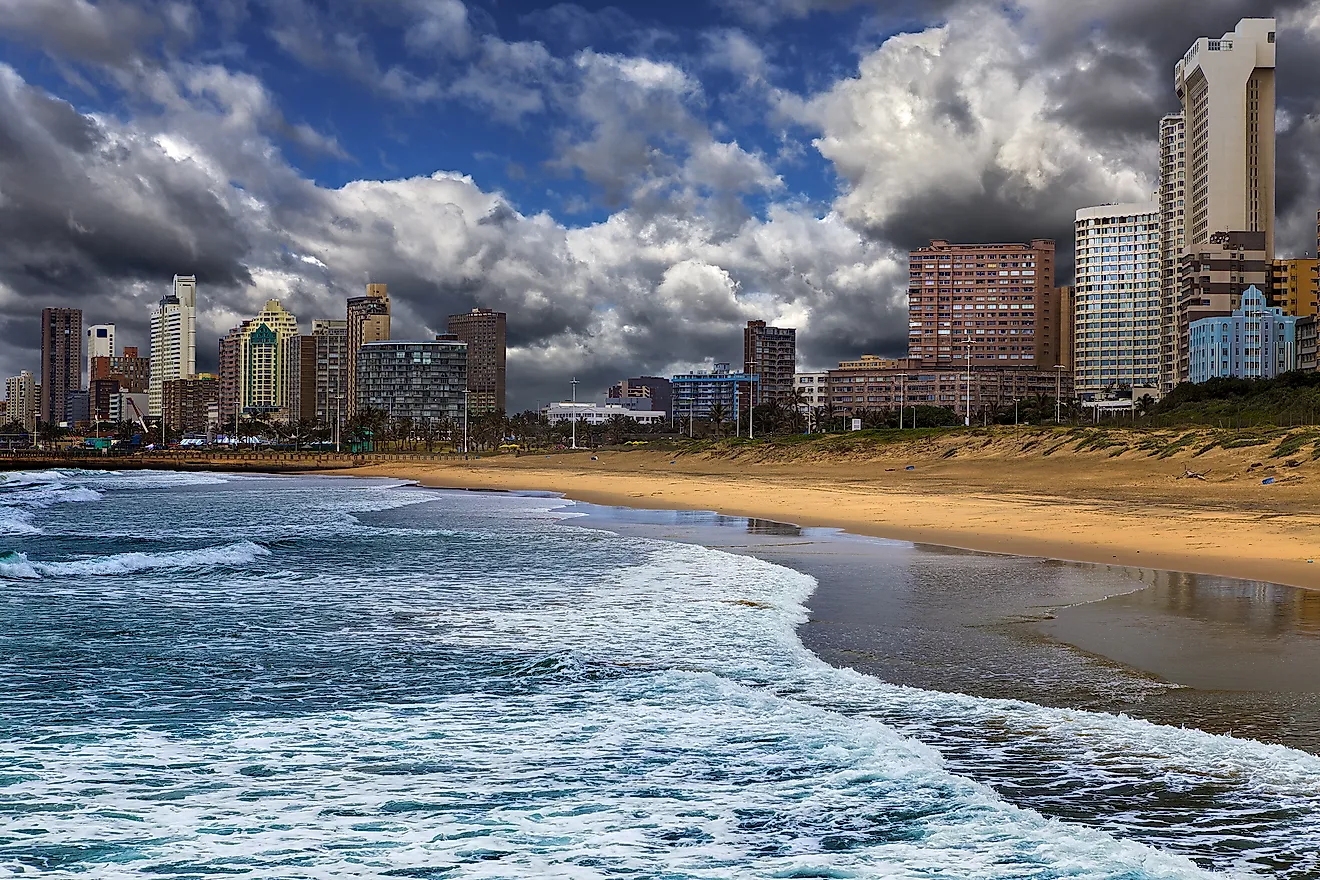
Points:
(967, 415)
(1058, 401)
(574, 412)
(467, 403)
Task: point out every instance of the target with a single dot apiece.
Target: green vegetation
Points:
(1291, 399)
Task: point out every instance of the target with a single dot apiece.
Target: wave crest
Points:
(17, 565)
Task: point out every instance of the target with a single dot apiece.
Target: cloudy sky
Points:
(631, 183)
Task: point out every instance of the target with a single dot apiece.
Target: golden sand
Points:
(1132, 509)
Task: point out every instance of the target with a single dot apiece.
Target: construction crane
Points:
(141, 421)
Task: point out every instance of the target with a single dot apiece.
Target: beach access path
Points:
(1138, 512)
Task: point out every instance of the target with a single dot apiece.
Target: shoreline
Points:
(1249, 541)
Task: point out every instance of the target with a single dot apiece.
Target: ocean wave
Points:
(14, 522)
(16, 565)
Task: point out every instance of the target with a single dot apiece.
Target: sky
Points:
(631, 183)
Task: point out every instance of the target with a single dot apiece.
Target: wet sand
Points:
(1134, 513)
(1218, 654)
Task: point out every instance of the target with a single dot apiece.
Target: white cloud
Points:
(956, 112)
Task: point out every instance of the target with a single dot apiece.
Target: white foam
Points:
(240, 553)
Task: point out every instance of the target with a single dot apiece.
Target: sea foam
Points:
(17, 565)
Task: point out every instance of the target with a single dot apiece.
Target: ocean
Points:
(208, 675)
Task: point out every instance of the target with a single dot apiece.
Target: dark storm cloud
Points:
(87, 213)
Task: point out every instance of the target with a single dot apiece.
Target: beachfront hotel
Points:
(1118, 298)
(420, 380)
(998, 298)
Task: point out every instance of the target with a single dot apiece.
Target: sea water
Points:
(208, 676)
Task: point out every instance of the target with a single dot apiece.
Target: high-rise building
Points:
(300, 379)
(331, 404)
(1255, 342)
(188, 403)
(422, 381)
(993, 294)
(1212, 279)
(1173, 239)
(1226, 87)
(173, 338)
(230, 374)
(100, 343)
(61, 361)
(1067, 300)
(771, 353)
(132, 370)
(21, 395)
(263, 364)
(484, 332)
(368, 321)
(1118, 298)
(1295, 286)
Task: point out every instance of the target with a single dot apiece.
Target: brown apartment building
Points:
(771, 354)
(1212, 278)
(485, 331)
(368, 321)
(132, 371)
(1001, 297)
(187, 404)
(874, 383)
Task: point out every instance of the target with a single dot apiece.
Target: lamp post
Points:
(574, 412)
(1058, 401)
(467, 400)
(967, 416)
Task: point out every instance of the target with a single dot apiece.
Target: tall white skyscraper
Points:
(173, 339)
(1226, 86)
(1173, 239)
(100, 343)
(1119, 301)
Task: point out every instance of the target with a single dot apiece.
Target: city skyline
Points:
(774, 184)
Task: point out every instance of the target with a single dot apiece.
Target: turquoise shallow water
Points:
(273, 677)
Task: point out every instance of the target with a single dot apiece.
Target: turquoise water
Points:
(210, 676)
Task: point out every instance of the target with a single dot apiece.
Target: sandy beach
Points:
(1085, 507)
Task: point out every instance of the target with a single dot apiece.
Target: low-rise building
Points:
(421, 380)
(656, 393)
(1255, 342)
(814, 388)
(598, 414)
(696, 393)
(881, 384)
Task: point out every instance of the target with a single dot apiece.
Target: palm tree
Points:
(618, 428)
(716, 415)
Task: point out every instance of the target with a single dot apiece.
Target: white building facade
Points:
(598, 414)
(815, 388)
(1226, 87)
(1119, 298)
(173, 338)
(100, 343)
